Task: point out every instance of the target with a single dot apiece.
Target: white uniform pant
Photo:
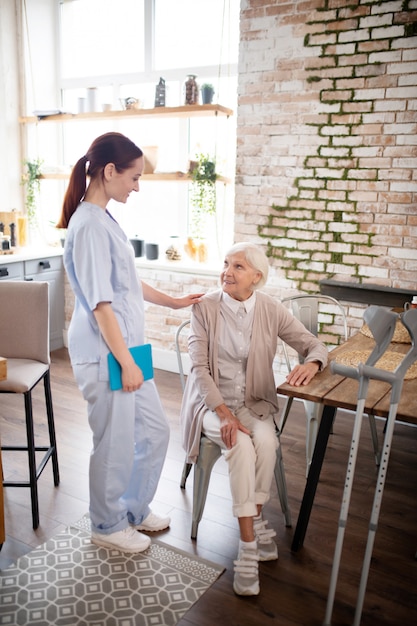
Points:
(251, 461)
(130, 440)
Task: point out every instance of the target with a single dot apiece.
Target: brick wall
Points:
(327, 145)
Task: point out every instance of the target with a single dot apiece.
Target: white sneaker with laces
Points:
(153, 523)
(246, 580)
(267, 548)
(126, 540)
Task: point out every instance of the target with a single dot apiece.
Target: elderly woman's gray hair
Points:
(255, 256)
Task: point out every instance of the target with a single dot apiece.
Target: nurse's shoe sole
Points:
(153, 523)
(126, 540)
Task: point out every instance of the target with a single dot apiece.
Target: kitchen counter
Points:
(28, 254)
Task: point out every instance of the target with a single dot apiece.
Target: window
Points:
(100, 37)
(120, 48)
(205, 33)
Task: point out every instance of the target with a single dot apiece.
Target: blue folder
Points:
(142, 356)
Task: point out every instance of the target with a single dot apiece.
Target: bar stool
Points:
(24, 341)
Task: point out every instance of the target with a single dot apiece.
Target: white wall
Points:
(14, 103)
(10, 169)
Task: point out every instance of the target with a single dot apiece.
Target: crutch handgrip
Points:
(376, 374)
(344, 370)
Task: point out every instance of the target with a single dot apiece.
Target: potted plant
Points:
(207, 93)
(31, 179)
(203, 201)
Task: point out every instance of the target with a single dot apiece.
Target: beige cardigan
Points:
(271, 320)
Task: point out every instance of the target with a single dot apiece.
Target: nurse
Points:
(130, 430)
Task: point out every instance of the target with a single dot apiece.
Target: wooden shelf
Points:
(187, 111)
(158, 176)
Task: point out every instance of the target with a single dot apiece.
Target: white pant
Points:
(130, 440)
(251, 461)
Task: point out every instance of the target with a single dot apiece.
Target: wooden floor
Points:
(293, 589)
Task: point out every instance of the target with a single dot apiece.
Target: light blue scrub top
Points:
(100, 264)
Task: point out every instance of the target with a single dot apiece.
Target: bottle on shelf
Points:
(92, 99)
(191, 89)
(160, 93)
(12, 227)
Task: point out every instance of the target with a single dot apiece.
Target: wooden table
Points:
(3, 376)
(335, 392)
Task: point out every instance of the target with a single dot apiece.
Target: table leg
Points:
(313, 476)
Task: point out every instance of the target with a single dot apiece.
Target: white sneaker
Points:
(267, 548)
(126, 540)
(153, 523)
(246, 580)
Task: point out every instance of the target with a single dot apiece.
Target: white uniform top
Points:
(99, 261)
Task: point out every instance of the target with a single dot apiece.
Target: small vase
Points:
(22, 231)
(202, 252)
(152, 251)
(196, 249)
(191, 248)
(207, 93)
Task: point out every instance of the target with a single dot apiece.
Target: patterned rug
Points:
(69, 581)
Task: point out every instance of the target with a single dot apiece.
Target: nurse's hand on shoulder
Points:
(132, 377)
(184, 301)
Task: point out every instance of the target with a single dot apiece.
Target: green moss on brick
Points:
(293, 266)
(410, 30)
(336, 257)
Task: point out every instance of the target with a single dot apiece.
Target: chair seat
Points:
(22, 375)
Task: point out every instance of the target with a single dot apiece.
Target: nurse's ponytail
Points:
(108, 148)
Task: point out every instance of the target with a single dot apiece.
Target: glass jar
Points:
(191, 90)
(173, 250)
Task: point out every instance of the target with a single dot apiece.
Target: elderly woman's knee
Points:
(243, 448)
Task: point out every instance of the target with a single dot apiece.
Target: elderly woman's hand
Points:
(303, 374)
(230, 426)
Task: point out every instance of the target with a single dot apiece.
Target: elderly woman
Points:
(231, 397)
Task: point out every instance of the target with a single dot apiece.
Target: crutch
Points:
(382, 325)
(409, 319)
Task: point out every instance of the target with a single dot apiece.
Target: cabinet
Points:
(49, 269)
(11, 271)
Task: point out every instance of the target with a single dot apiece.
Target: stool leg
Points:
(31, 460)
(51, 426)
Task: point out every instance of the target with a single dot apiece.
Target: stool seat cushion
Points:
(22, 375)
